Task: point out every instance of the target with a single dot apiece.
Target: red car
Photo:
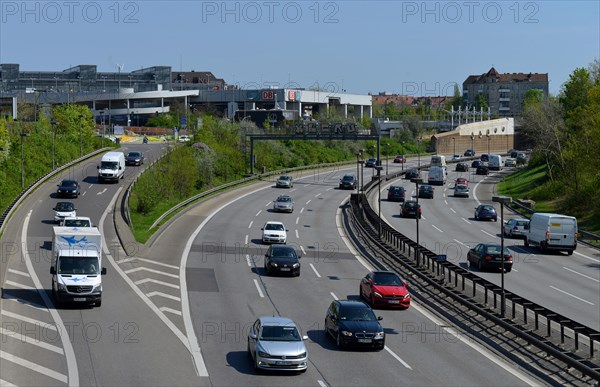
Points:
(400, 159)
(385, 288)
(461, 180)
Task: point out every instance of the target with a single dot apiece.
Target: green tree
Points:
(167, 120)
(574, 92)
(481, 102)
(533, 97)
(456, 98)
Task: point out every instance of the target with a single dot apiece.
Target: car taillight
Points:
(547, 235)
(509, 258)
(487, 258)
(515, 228)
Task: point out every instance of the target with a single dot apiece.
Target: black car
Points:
(410, 209)
(485, 157)
(462, 167)
(353, 323)
(371, 163)
(485, 211)
(482, 170)
(68, 188)
(476, 163)
(412, 173)
(396, 193)
(282, 259)
(348, 182)
(487, 255)
(514, 154)
(469, 153)
(134, 158)
(426, 191)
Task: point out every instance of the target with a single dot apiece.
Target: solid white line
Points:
(260, 293)
(165, 309)
(569, 294)
(457, 241)
(334, 296)
(341, 232)
(21, 273)
(40, 323)
(248, 260)
(405, 364)
(434, 226)
(151, 271)
(31, 340)
(297, 236)
(71, 359)
(303, 251)
(452, 209)
(4, 383)
(34, 367)
(466, 220)
(302, 210)
(583, 275)
(322, 383)
(174, 298)
(487, 233)
(250, 225)
(297, 219)
(151, 261)
(143, 281)
(315, 270)
(585, 256)
(246, 239)
(18, 285)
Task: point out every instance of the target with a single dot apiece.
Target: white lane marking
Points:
(303, 251)
(161, 294)
(578, 273)
(260, 293)
(30, 340)
(585, 256)
(18, 285)
(248, 260)
(334, 296)
(30, 320)
(35, 367)
(405, 364)
(423, 218)
(266, 205)
(466, 220)
(250, 225)
(487, 233)
(434, 226)
(302, 210)
(444, 195)
(322, 383)
(165, 309)
(329, 189)
(258, 213)
(317, 195)
(315, 270)
(145, 280)
(569, 294)
(457, 241)
(297, 219)
(515, 270)
(72, 370)
(307, 202)
(17, 272)
(452, 209)
(4, 383)
(101, 192)
(135, 270)
(246, 239)
(445, 201)
(149, 261)
(297, 236)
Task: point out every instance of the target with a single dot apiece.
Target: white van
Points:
(495, 162)
(552, 232)
(437, 176)
(438, 161)
(112, 167)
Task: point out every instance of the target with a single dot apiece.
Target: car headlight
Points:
(406, 296)
(295, 265)
(377, 294)
(303, 354)
(263, 354)
(97, 288)
(379, 335)
(274, 264)
(61, 287)
(346, 333)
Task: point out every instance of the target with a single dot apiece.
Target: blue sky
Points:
(405, 47)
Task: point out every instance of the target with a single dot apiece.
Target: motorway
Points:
(177, 312)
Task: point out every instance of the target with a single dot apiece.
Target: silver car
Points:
(516, 228)
(510, 163)
(461, 190)
(285, 181)
(283, 203)
(275, 343)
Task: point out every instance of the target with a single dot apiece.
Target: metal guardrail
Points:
(15, 203)
(467, 288)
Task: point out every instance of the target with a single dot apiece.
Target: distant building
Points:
(504, 93)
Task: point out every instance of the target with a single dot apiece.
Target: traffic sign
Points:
(183, 121)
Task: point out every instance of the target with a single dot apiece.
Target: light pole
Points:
(417, 181)
(488, 138)
(403, 156)
(53, 123)
(379, 168)
(386, 157)
(80, 136)
(502, 200)
(358, 171)
(454, 142)
(472, 143)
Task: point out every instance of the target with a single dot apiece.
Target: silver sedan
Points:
(283, 203)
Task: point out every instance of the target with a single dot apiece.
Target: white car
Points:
(64, 210)
(76, 221)
(184, 138)
(274, 232)
(457, 157)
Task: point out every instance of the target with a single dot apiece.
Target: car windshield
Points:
(274, 227)
(396, 189)
(348, 178)
(461, 187)
(387, 279)
(78, 265)
(357, 314)
(284, 199)
(109, 165)
(64, 206)
(133, 154)
(77, 223)
(522, 223)
(279, 333)
(493, 249)
(286, 178)
(425, 188)
(284, 253)
(410, 205)
(68, 183)
(487, 208)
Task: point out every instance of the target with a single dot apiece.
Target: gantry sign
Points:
(314, 131)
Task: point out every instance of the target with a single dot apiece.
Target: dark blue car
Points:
(353, 323)
(68, 188)
(485, 211)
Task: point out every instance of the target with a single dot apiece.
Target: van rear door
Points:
(562, 231)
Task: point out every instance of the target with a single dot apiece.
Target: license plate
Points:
(365, 340)
(394, 301)
(285, 269)
(284, 363)
(79, 299)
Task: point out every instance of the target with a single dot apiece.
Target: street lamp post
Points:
(379, 168)
(386, 157)
(472, 143)
(502, 200)
(53, 123)
(417, 181)
(403, 156)
(80, 136)
(358, 171)
(454, 142)
(489, 137)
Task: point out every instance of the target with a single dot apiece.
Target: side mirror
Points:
(305, 337)
(52, 270)
(252, 336)
(266, 255)
(58, 185)
(103, 271)
(97, 167)
(379, 318)
(405, 284)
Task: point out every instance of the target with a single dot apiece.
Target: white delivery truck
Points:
(438, 161)
(495, 162)
(77, 265)
(112, 167)
(437, 176)
(552, 232)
